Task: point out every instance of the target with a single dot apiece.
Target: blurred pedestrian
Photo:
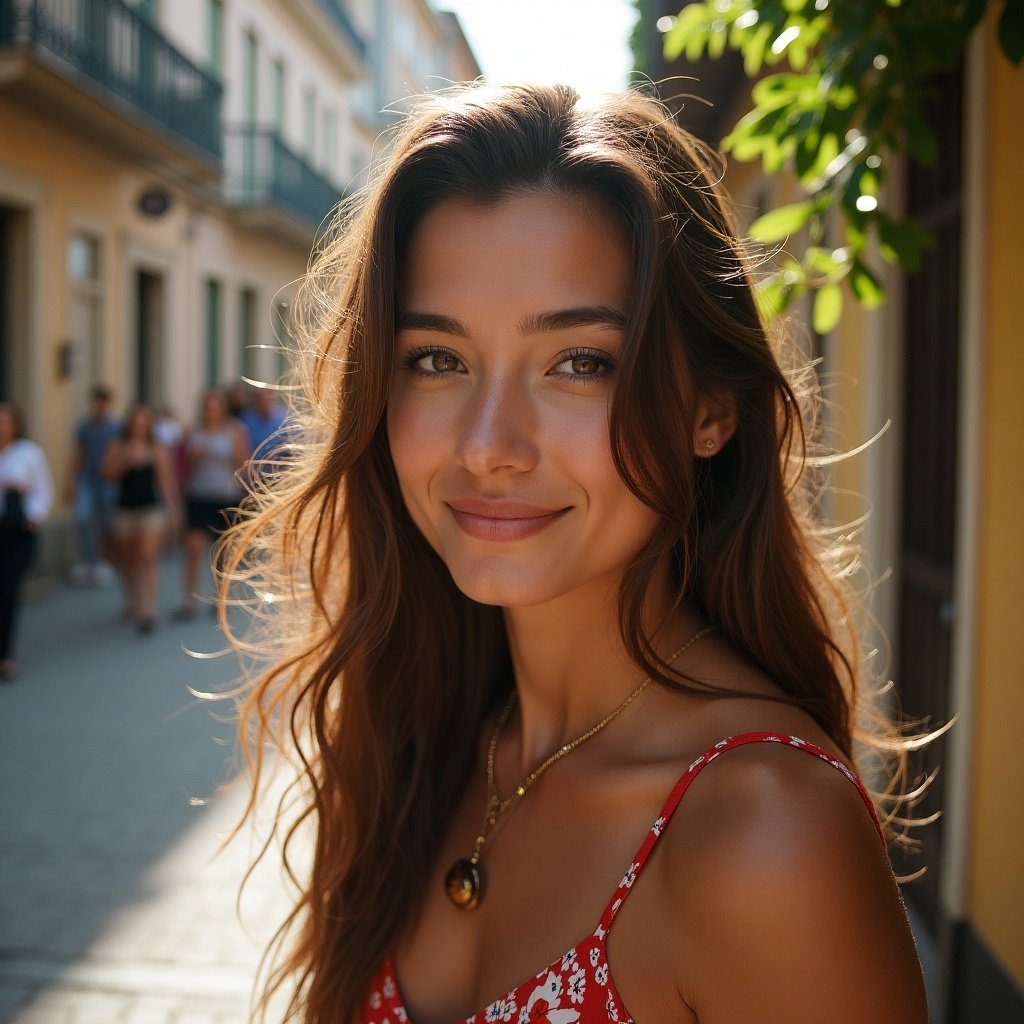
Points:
(265, 419)
(237, 395)
(215, 452)
(26, 490)
(147, 504)
(91, 494)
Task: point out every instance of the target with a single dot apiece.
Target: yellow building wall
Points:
(83, 187)
(996, 850)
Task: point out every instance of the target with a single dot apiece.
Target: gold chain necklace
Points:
(464, 881)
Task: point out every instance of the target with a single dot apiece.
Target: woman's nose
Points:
(497, 431)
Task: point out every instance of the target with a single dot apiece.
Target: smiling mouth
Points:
(502, 521)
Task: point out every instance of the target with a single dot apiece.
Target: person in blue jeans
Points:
(93, 496)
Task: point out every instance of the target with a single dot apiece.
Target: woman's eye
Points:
(583, 365)
(432, 362)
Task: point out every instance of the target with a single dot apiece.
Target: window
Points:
(83, 258)
(309, 122)
(250, 82)
(215, 36)
(277, 76)
(331, 143)
(248, 351)
(213, 315)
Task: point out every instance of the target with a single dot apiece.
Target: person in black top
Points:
(147, 503)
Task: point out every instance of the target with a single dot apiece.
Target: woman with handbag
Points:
(26, 491)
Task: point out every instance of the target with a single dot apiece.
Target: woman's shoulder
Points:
(775, 851)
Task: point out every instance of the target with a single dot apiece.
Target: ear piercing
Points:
(709, 444)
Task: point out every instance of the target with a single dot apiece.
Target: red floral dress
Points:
(578, 988)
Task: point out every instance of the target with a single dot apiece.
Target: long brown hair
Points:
(382, 672)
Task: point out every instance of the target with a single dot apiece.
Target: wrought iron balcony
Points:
(106, 49)
(272, 187)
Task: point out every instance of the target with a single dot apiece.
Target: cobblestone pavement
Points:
(113, 907)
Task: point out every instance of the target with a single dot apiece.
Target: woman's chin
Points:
(509, 589)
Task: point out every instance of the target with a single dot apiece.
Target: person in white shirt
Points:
(26, 497)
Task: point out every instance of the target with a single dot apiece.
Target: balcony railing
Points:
(127, 57)
(262, 171)
(340, 18)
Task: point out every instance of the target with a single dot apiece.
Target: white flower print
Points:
(630, 876)
(796, 741)
(389, 988)
(658, 826)
(375, 1000)
(501, 1010)
(610, 1007)
(578, 986)
(601, 975)
(400, 1015)
(543, 1005)
(569, 960)
(595, 955)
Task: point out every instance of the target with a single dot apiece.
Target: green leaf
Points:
(866, 286)
(716, 43)
(693, 21)
(772, 297)
(921, 139)
(781, 88)
(754, 50)
(1011, 30)
(828, 308)
(901, 243)
(781, 223)
(821, 261)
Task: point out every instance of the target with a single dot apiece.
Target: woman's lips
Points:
(502, 520)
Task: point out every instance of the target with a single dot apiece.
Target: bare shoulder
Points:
(788, 902)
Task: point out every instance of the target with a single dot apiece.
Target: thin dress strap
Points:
(709, 755)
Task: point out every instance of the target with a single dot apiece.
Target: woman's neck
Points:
(571, 664)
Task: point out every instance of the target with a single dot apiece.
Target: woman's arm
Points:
(243, 448)
(39, 496)
(166, 486)
(793, 914)
(113, 465)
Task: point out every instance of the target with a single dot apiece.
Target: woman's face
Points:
(214, 408)
(511, 322)
(140, 425)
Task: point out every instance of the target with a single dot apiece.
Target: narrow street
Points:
(113, 802)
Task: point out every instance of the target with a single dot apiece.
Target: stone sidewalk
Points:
(114, 908)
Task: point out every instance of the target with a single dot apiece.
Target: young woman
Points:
(147, 504)
(214, 453)
(26, 497)
(547, 575)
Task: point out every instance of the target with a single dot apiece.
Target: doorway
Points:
(931, 357)
(14, 311)
(150, 315)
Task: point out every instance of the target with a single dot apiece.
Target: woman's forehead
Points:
(523, 255)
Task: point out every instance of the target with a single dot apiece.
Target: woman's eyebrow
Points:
(410, 321)
(578, 316)
(534, 323)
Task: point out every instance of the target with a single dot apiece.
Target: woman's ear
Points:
(717, 420)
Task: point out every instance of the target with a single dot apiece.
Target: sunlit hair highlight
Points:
(364, 651)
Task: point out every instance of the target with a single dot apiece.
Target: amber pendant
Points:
(464, 884)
